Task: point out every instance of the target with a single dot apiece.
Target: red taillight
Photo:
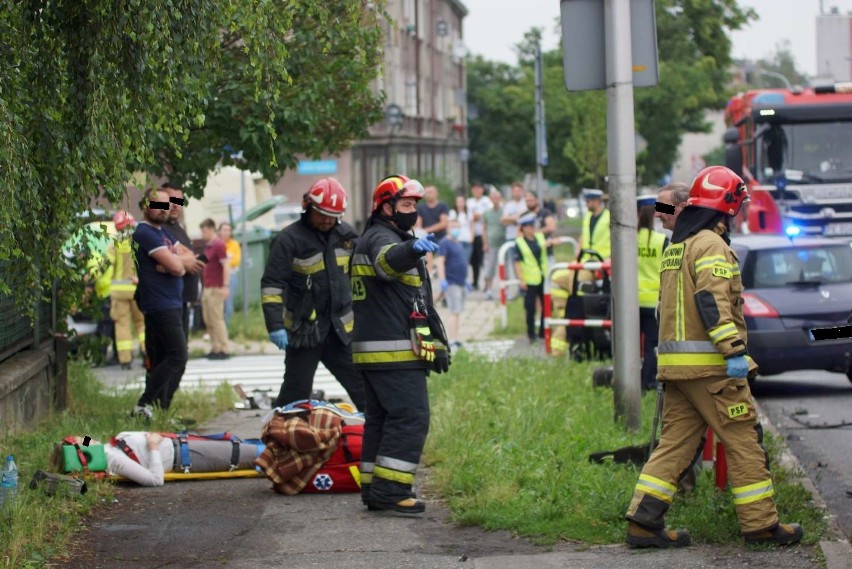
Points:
(756, 307)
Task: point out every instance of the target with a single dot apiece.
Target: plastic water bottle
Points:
(9, 483)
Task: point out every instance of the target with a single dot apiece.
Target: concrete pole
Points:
(539, 124)
(621, 154)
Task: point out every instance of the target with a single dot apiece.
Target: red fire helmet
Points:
(328, 197)
(395, 187)
(718, 188)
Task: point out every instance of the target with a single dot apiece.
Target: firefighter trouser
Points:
(725, 405)
(650, 335)
(561, 282)
(126, 316)
(397, 422)
(300, 366)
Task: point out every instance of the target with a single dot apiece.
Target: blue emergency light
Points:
(792, 231)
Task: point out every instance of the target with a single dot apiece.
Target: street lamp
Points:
(394, 119)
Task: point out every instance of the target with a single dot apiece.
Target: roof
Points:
(763, 241)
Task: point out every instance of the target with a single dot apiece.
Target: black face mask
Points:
(404, 221)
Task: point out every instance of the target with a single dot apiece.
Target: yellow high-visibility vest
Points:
(599, 241)
(532, 272)
(650, 255)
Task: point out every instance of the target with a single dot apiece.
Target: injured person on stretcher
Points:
(146, 457)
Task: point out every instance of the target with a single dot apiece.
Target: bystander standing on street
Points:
(493, 237)
(161, 263)
(433, 214)
(477, 205)
(460, 214)
(544, 220)
(452, 278)
(215, 291)
(192, 278)
(234, 259)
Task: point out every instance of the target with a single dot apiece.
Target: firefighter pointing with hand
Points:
(393, 345)
(703, 362)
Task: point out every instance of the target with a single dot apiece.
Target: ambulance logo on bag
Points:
(323, 482)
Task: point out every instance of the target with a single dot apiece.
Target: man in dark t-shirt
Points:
(191, 279)
(161, 263)
(433, 215)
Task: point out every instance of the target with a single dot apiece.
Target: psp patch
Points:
(720, 271)
(323, 482)
(737, 410)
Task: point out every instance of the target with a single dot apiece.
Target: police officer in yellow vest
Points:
(704, 362)
(651, 246)
(531, 266)
(122, 277)
(595, 230)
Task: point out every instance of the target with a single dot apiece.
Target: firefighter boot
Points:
(643, 536)
(780, 534)
(405, 506)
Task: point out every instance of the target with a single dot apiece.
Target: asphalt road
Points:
(810, 409)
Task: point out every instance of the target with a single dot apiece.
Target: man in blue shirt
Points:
(161, 263)
(451, 262)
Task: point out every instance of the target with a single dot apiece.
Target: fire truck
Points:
(793, 147)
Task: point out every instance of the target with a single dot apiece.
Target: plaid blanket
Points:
(297, 446)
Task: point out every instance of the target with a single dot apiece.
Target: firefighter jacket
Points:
(600, 239)
(700, 313)
(305, 261)
(533, 271)
(122, 269)
(651, 245)
(387, 282)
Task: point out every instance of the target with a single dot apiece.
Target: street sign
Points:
(583, 43)
(313, 167)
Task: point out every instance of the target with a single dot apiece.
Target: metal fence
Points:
(18, 331)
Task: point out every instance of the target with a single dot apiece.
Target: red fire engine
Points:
(794, 150)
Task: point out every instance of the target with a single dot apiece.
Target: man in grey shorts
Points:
(451, 262)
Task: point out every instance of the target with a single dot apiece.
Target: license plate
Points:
(839, 229)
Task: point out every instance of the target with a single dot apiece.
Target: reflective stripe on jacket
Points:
(299, 256)
(533, 270)
(385, 284)
(650, 254)
(600, 240)
(122, 269)
(701, 317)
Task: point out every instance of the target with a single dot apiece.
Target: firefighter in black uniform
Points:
(390, 291)
(306, 295)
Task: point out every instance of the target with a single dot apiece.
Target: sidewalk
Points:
(242, 524)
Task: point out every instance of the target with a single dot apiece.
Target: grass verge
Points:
(509, 445)
(39, 527)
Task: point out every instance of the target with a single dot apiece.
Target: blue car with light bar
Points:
(793, 285)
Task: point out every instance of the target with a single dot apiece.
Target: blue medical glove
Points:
(444, 285)
(279, 338)
(424, 245)
(737, 367)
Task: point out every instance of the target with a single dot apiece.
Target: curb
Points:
(837, 551)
